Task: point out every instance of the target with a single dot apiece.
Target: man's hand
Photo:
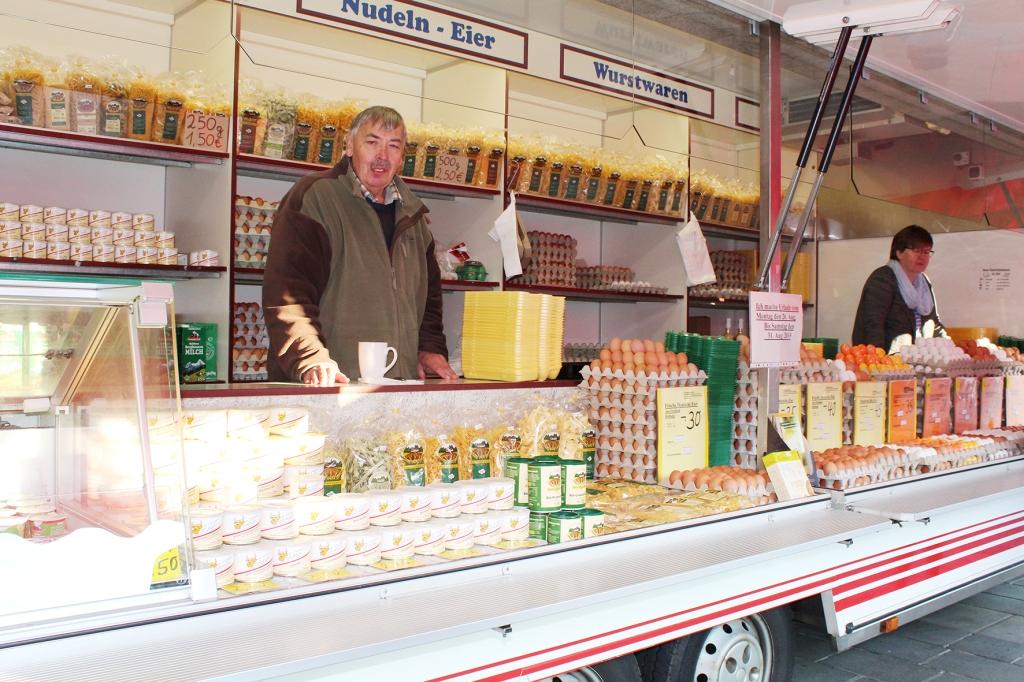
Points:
(324, 374)
(436, 364)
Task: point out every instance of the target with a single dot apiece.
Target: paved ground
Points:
(980, 639)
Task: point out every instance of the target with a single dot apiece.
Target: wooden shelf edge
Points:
(289, 169)
(61, 267)
(599, 295)
(115, 146)
(580, 209)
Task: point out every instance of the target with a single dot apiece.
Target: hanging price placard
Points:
(451, 168)
(869, 413)
(991, 411)
(824, 416)
(1015, 401)
(938, 406)
(682, 430)
(205, 131)
(965, 404)
(902, 410)
(789, 399)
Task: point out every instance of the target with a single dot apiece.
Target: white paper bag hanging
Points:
(504, 233)
(694, 250)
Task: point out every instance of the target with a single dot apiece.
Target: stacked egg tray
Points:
(553, 261)
(732, 275)
(744, 419)
(623, 405)
(811, 371)
(893, 462)
(250, 345)
(602, 276)
(253, 219)
(848, 402)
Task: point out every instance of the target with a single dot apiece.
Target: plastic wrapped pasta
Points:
(141, 107)
(85, 86)
(280, 132)
(443, 460)
(408, 458)
(57, 100)
(367, 463)
(114, 109)
(27, 89)
(169, 112)
(541, 431)
(573, 427)
(476, 459)
(307, 121)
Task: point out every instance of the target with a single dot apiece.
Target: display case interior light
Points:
(820, 22)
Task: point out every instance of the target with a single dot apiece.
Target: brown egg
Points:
(605, 354)
(627, 356)
(729, 484)
(700, 479)
(616, 356)
(675, 478)
(682, 359)
(615, 344)
(616, 366)
(659, 346)
(626, 345)
(650, 358)
(649, 345)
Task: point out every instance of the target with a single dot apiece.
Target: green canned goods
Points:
(564, 526)
(544, 483)
(589, 447)
(516, 468)
(593, 521)
(574, 483)
(539, 525)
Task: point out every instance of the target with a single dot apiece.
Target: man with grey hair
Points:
(352, 260)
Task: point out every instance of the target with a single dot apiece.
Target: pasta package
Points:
(169, 112)
(307, 120)
(85, 87)
(541, 429)
(114, 108)
(57, 101)
(28, 85)
(443, 462)
(280, 132)
(141, 94)
(367, 464)
(476, 456)
(408, 458)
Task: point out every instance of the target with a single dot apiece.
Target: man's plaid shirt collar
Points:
(390, 192)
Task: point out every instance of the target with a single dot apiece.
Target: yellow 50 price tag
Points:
(167, 567)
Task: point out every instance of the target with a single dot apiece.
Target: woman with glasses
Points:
(897, 304)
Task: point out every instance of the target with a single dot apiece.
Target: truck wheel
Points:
(622, 669)
(756, 648)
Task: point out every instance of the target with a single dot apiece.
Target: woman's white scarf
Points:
(917, 294)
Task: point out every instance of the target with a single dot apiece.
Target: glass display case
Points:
(91, 476)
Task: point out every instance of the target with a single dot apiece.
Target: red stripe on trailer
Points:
(921, 576)
(903, 568)
(738, 610)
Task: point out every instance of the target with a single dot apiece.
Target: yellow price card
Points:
(250, 588)
(167, 567)
(991, 411)
(902, 410)
(790, 396)
(1015, 401)
(824, 416)
(938, 407)
(682, 430)
(869, 413)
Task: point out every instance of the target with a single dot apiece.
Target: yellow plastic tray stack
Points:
(504, 338)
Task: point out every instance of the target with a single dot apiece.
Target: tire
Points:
(622, 669)
(757, 648)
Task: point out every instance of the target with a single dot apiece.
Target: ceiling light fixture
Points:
(820, 22)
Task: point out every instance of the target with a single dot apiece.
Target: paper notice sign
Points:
(991, 411)
(1015, 401)
(789, 400)
(938, 406)
(504, 232)
(776, 326)
(824, 416)
(682, 430)
(902, 410)
(965, 404)
(208, 132)
(869, 413)
(452, 168)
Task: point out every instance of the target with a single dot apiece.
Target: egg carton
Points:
(746, 460)
(634, 460)
(633, 413)
(761, 490)
(646, 419)
(699, 377)
(617, 386)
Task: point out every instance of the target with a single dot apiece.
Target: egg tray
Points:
(646, 382)
(634, 431)
(891, 375)
(624, 403)
(746, 460)
(758, 498)
(635, 475)
(626, 414)
(643, 461)
(647, 447)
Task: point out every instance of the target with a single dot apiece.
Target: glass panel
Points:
(37, 344)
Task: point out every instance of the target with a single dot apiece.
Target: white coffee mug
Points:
(373, 359)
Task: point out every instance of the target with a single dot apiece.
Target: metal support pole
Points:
(826, 157)
(771, 185)
(779, 219)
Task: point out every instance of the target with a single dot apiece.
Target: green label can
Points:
(589, 449)
(574, 483)
(593, 522)
(538, 525)
(516, 468)
(544, 486)
(564, 526)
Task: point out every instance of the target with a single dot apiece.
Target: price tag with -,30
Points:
(682, 430)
